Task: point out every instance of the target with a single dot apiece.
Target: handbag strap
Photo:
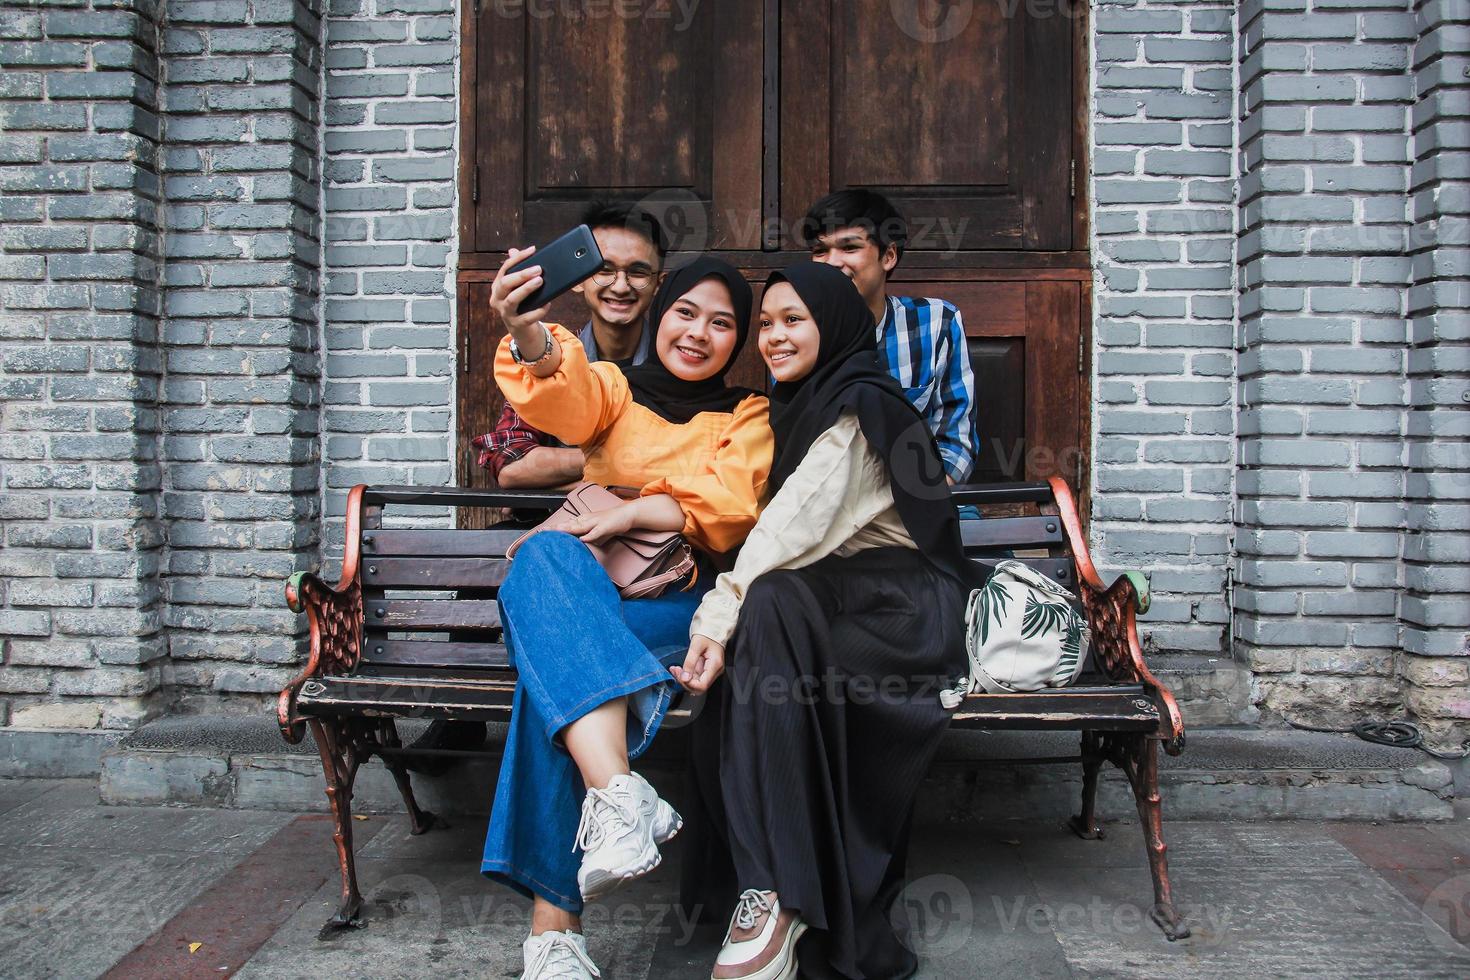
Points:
(651, 585)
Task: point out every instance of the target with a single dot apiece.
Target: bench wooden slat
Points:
(1124, 707)
(487, 697)
(1059, 570)
(547, 500)
(381, 654)
(431, 614)
(438, 573)
(1012, 532)
(1002, 493)
(439, 543)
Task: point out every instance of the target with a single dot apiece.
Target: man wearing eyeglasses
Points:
(617, 297)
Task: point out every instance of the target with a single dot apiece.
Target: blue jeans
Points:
(576, 645)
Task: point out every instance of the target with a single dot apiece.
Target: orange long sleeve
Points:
(721, 498)
(577, 403)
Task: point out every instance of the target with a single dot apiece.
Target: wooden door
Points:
(964, 122)
(758, 107)
(560, 110)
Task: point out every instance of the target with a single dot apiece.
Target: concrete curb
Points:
(53, 753)
(1224, 774)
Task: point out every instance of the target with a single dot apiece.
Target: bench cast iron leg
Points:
(1137, 755)
(420, 821)
(1085, 824)
(1143, 773)
(340, 759)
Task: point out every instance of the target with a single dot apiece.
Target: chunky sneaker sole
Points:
(783, 967)
(597, 882)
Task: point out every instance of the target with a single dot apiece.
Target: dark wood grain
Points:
(378, 655)
(1012, 532)
(436, 573)
(431, 614)
(441, 543)
(999, 366)
(500, 119)
(969, 132)
(1053, 382)
(805, 112)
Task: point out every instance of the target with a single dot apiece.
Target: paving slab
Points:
(83, 884)
(14, 792)
(1306, 911)
(65, 914)
(71, 819)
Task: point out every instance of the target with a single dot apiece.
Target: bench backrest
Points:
(429, 594)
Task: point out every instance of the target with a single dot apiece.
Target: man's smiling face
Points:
(618, 304)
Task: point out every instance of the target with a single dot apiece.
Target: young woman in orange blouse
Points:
(594, 678)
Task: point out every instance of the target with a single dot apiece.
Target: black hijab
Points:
(657, 388)
(849, 377)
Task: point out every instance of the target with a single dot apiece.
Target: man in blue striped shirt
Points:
(922, 340)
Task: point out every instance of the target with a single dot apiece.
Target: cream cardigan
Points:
(836, 502)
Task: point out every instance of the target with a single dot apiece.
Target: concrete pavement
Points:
(86, 888)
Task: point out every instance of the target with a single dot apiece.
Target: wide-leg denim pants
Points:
(576, 645)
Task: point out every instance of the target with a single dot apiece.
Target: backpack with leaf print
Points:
(1023, 633)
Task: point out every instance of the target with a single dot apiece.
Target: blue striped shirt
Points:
(922, 340)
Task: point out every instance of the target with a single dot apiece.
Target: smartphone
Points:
(564, 263)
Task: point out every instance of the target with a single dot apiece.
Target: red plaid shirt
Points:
(510, 441)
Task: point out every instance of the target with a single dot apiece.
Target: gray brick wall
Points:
(1324, 143)
(391, 111)
(1434, 609)
(81, 621)
(1164, 243)
(241, 104)
(227, 246)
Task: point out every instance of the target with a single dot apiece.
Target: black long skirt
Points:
(828, 720)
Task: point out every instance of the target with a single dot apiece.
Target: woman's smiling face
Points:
(698, 332)
(789, 340)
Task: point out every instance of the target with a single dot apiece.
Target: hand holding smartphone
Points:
(529, 279)
(564, 263)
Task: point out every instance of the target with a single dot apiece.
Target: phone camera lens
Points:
(581, 252)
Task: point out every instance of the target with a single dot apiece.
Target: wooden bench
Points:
(412, 630)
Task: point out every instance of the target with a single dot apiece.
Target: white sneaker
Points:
(761, 941)
(557, 955)
(619, 834)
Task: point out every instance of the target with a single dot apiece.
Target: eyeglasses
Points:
(638, 279)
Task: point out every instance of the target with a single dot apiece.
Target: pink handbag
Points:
(642, 564)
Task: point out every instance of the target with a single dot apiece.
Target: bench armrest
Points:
(334, 619)
(1111, 613)
(1143, 596)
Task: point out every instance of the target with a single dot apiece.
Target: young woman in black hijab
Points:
(843, 616)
